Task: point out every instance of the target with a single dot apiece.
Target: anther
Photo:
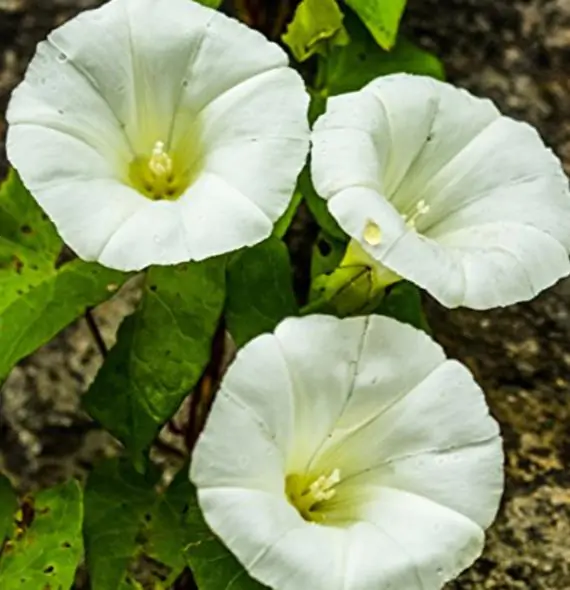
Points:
(160, 163)
(323, 487)
(420, 209)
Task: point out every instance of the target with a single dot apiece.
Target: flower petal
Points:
(256, 137)
(229, 53)
(195, 227)
(282, 551)
(321, 382)
(351, 162)
(271, 540)
(219, 218)
(364, 569)
(56, 95)
(445, 410)
(272, 104)
(386, 372)
(522, 183)
(430, 122)
(162, 44)
(153, 233)
(91, 206)
(256, 396)
(350, 145)
(261, 167)
(439, 542)
(512, 262)
(253, 463)
(468, 480)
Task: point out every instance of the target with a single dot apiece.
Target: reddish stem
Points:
(205, 390)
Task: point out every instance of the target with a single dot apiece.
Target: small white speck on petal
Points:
(372, 233)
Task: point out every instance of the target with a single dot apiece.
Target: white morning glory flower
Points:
(336, 458)
(440, 188)
(159, 131)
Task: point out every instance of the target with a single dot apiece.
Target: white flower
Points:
(440, 188)
(159, 131)
(349, 454)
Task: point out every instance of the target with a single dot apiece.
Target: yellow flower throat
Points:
(158, 177)
(308, 495)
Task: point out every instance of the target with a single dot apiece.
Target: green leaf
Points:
(165, 538)
(116, 502)
(260, 290)
(213, 566)
(318, 102)
(327, 255)
(124, 515)
(317, 25)
(45, 555)
(176, 535)
(381, 17)
(284, 222)
(38, 297)
(211, 3)
(36, 317)
(161, 352)
(318, 207)
(8, 507)
(352, 67)
(166, 534)
(403, 302)
(29, 244)
(129, 583)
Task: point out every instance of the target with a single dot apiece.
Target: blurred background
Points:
(516, 52)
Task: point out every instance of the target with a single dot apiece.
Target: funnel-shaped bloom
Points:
(334, 458)
(155, 132)
(441, 189)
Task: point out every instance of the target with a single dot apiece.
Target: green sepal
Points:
(316, 26)
(403, 302)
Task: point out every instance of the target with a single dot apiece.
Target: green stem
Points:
(96, 333)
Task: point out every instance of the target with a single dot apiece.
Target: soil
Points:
(518, 53)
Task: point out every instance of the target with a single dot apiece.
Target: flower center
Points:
(419, 210)
(158, 177)
(308, 495)
(160, 162)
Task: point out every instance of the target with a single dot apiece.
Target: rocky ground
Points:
(518, 53)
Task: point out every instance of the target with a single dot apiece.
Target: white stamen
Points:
(421, 208)
(323, 488)
(160, 162)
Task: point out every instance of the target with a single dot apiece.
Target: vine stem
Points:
(205, 390)
(95, 332)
